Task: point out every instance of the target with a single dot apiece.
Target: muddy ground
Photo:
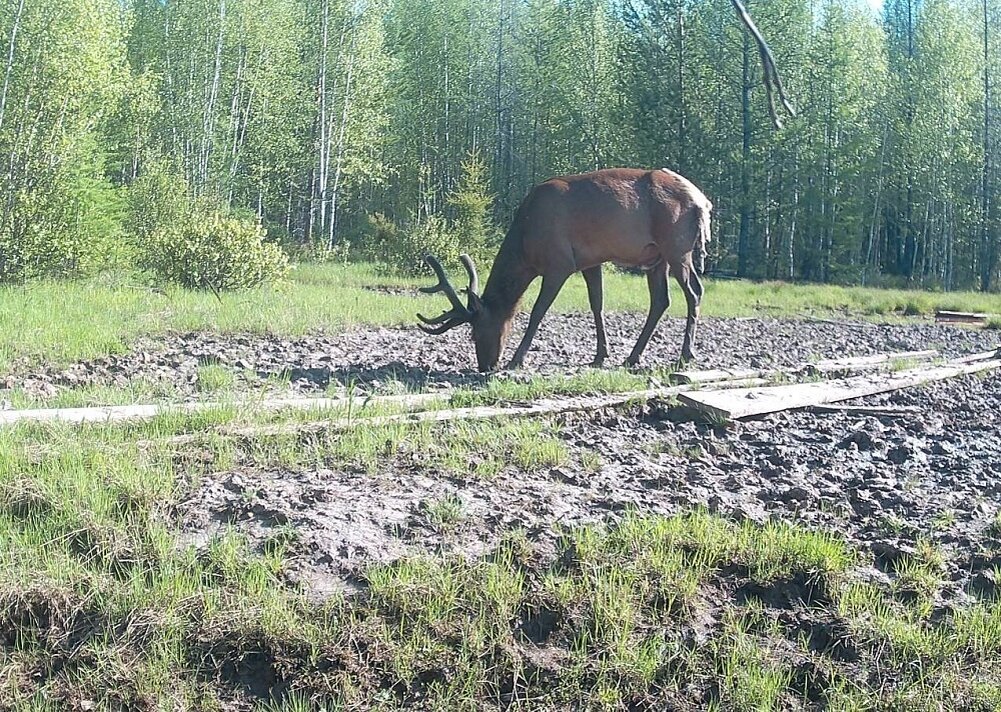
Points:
(383, 359)
(882, 482)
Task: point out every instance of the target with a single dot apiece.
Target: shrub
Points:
(472, 204)
(195, 243)
(65, 223)
(401, 250)
(214, 250)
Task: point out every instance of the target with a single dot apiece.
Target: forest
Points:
(326, 125)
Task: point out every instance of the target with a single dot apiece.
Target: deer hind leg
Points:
(691, 285)
(592, 278)
(551, 285)
(660, 300)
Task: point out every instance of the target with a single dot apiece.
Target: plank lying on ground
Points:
(746, 402)
(982, 356)
(964, 317)
(546, 406)
(868, 410)
(114, 413)
(854, 363)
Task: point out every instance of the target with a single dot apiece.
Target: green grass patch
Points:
(513, 388)
(60, 322)
(478, 448)
(99, 601)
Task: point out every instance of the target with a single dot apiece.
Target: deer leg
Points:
(691, 285)
(592, 278)
(551, 286)
(660, 300)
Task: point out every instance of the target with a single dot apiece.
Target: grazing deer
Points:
(656, 220)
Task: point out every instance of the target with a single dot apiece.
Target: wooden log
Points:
(961, 317)
(747, 402)
(854, 363)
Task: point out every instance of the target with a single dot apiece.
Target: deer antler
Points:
(771, 78)
(459, 313)
(474, 281)
(443, 284)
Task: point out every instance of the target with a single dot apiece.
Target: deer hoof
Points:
(599, 361)
(513, 365)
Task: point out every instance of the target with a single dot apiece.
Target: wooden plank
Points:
(854, 363)
(746, 402)
(550, 406)
(982, 356)
(965, 317)
(115, 413)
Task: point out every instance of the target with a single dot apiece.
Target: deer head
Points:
(488, 330)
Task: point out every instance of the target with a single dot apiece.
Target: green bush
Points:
(472, 204)
(215, 251)
(196, 244)
(401, 250)
(67, 222)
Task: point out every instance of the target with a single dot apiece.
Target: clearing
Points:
(629, 557)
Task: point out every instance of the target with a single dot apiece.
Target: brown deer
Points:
(655, 220)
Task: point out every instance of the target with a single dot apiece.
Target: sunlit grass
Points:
(66, 321)
(87, 539)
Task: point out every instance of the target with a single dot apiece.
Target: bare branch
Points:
(771, 74)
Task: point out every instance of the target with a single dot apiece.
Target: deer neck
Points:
(508, 281)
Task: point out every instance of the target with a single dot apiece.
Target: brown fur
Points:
(653, 219)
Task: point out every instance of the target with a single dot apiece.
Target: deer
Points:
(655, 220)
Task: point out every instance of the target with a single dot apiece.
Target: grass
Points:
(511, 388)
(102, 606)
(61, 322)
(99, 603)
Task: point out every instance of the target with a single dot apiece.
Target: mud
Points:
(388, 360)
(884, 483)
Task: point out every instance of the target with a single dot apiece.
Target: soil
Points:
(386, 359)
(883, 482)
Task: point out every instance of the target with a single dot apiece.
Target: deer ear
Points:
(473, 302)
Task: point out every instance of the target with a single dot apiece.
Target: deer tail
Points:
(702, 240)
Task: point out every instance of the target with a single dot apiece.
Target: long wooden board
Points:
(855, 363)
(747, 402)
(113, 413)
(961, 317)
(545, 406)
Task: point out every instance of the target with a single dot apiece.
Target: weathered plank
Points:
(889, 410)
(963, 317)
(746, 402)
(854, 363)
(981, 356)
(107, 414)
(546, 406)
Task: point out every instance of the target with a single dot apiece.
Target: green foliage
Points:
(472, 204)
(195, 243)
(216, 251)
(61, 72)
(401, 250)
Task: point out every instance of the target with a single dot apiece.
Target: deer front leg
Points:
(595, 295)
(660, 300)
(551, 286)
